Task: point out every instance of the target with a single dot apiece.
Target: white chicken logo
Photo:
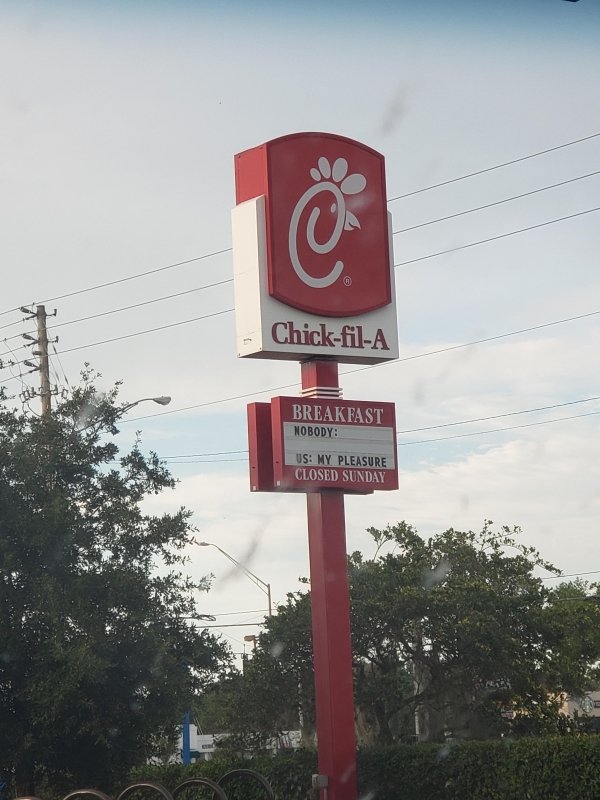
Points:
(333, 179)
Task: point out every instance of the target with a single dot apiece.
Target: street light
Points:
(264, 587)
(163, 400)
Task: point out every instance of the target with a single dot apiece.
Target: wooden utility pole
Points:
(42, 352)
(43, 366)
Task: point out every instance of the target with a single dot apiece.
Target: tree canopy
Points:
(455, 635)
(99, 651)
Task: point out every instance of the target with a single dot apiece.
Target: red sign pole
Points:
(330, 608)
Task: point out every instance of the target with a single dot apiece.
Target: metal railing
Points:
(234, 777)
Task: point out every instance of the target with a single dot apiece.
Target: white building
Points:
(586, 706)
(204, 745)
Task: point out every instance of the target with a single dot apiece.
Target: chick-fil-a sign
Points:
(312, 251)
(327, 229)
(314, 282)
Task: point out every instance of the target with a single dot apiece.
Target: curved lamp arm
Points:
(262, 585)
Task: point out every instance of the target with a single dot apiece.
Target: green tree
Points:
(449, 633)
(274, 692)
(572, 628)
(462, 613)
(99, 654)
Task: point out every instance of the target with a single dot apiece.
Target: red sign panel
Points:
(260, 447)
(333, 444)
(327, 225)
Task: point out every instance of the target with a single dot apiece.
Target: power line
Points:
(144, 303)
(235, 613)
(10, 311)
(497, 203)
(571, 575)
(204, 455)
(124, 280)
(236, 625)
(499, 430)
(214, 461)
(403, 230)
(411, 430)
(400, 264)
(371, 366)
(500, 416)
(138, 275)
(496, 238)
(438, 439)
(18, 336)
(214, 402)
(347, 372)
(14, 350)
(10, 324)
(61, 366)
(404, 263)
(490, 169)
(474, 342)
(390, 200)
(195, 319)
(17, 377)
(140, 333)
(11, 364)
(225, 311)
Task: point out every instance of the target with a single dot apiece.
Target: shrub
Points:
(553, 768)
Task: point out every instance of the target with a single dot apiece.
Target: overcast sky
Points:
(119, 123)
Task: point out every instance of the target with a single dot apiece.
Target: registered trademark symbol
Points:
(347, 281)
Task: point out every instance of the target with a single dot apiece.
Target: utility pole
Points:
(46, 390)
(42, 333)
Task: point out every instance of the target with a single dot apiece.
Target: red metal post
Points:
(330, 603)
(320, 378)
(332, 650)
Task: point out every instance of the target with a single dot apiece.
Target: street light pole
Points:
(264, 587)
(163, 400)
